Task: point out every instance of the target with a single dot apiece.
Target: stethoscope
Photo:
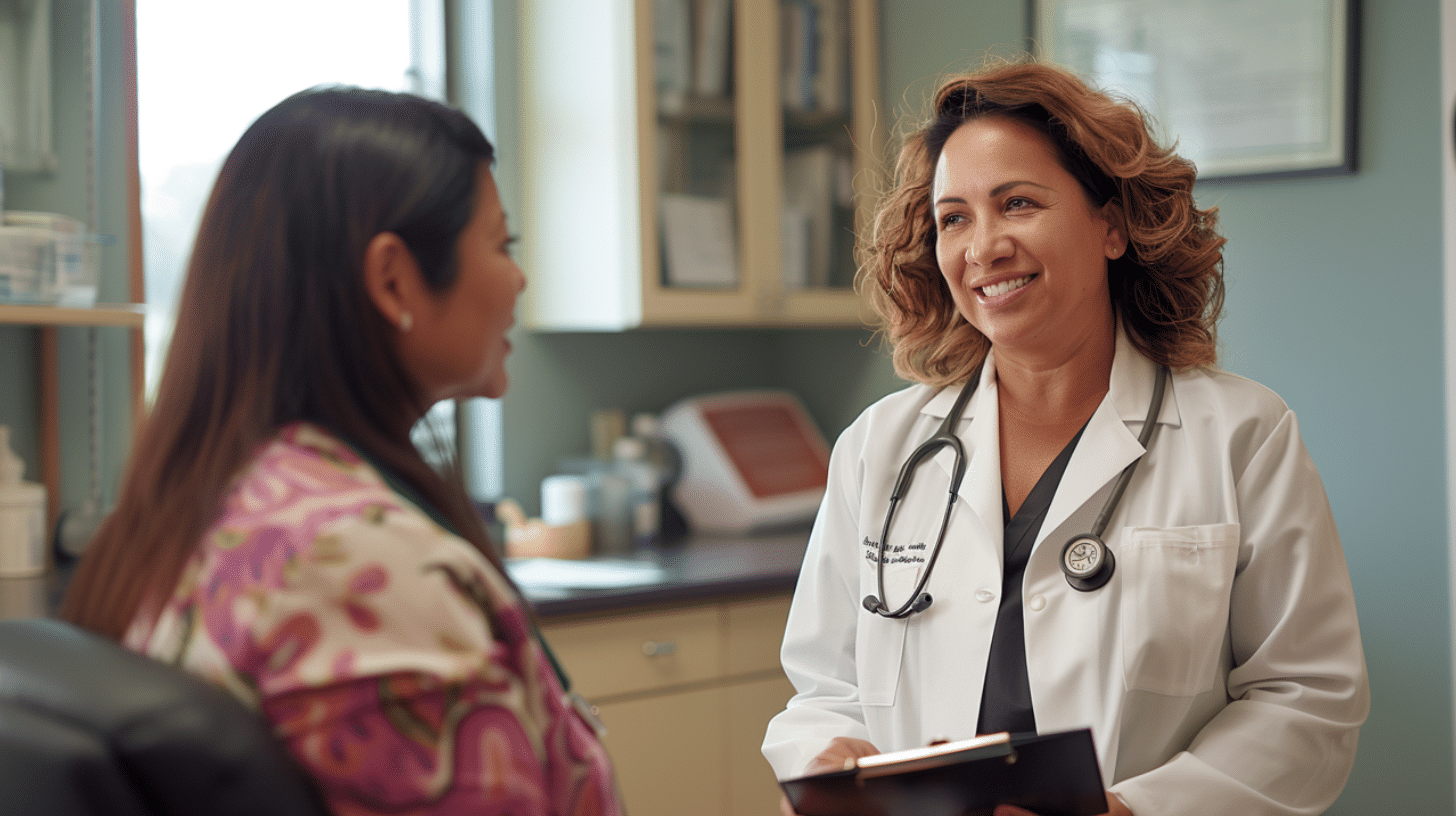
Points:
(1086, 561)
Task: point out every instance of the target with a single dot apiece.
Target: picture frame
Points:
(1246, 89)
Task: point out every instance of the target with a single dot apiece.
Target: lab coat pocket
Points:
(1175, 588)
(880, 643)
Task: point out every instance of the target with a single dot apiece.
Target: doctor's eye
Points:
(1019, 203)
(951, 219)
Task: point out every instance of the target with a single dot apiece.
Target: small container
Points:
(47, 258)
(22, 516)
(644, 482)
(612, 531)
(534, 538)
(563, 498)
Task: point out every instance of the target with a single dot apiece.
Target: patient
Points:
(278, 534)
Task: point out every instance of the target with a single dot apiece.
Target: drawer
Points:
(755, 631)
(638, 652)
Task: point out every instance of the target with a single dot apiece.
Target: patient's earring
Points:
(406, 321)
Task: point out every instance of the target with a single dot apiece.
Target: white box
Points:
(751, 459)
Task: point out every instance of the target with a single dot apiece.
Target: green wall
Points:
(1335, 301)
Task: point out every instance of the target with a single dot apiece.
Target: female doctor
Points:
(1107, 531)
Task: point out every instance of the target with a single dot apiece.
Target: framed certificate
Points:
(1246, 88)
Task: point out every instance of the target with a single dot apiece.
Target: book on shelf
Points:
(698, 241)
(831, 65)
(672, 53)
(1053, 774)
(713, 22)
(810, 186)
(815, 53)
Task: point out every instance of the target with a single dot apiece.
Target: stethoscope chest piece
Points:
(1087, 562)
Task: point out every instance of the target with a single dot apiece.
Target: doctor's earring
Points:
(406, 321)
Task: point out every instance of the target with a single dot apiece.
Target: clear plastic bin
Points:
(47, 258)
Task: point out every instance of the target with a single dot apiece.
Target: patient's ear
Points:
(392, 278)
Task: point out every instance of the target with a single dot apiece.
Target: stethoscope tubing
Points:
(945, 436)
(1145, 436)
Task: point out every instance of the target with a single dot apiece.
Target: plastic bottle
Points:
(665, 456)
(22, 516)
(644, 481)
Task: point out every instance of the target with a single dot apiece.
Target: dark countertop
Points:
(702, 569)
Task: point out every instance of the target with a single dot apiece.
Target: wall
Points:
(1448, 162)
(1334, 300)
(65, 191)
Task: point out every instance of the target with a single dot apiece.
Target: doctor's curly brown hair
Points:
(1167, 289)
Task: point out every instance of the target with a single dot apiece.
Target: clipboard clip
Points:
(933, 755)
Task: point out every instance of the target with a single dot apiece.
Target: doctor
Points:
(1041, 255)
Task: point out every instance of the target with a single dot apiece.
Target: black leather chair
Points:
(89, 728)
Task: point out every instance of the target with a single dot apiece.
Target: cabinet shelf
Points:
(124, 315)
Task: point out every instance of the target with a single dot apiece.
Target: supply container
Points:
(46, 258)
(644, 480)
(22, 516)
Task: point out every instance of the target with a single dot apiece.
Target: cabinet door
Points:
(826, 138)
(668, 751)
(752, 789)
(754, 632)
(698, 134)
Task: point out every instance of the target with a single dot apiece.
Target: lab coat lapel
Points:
(981, 487)
(1109, 442)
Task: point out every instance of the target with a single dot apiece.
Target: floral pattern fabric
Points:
(393, 659)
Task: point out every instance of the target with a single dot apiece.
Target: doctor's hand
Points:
(841, 750)
(1115, 807)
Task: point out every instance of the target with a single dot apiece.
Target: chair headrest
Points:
(89, 727)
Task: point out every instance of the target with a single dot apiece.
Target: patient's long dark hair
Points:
(275, 326)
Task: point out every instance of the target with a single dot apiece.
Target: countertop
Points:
(703, 568)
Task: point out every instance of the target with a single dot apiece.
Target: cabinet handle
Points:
(653, 648)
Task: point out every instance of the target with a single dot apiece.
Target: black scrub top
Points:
(1006, 697)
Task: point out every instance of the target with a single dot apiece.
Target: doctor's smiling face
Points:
(1019, 243)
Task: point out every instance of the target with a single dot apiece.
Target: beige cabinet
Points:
(696, 162)
(686, 695)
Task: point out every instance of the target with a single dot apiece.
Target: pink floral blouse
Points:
(359, 627)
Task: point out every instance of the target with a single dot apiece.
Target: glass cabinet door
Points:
(818, 217)
(696, 144)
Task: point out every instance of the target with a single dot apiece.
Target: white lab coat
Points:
(1220, 669)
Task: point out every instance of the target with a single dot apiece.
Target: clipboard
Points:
(1052, 774)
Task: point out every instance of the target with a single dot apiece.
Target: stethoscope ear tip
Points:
(871, 603)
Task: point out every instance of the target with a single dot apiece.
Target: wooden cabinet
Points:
(653, 127)
(686, 695)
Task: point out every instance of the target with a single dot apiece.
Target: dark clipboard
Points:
(1049, 774)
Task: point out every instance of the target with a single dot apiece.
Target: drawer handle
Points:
(654, 648)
